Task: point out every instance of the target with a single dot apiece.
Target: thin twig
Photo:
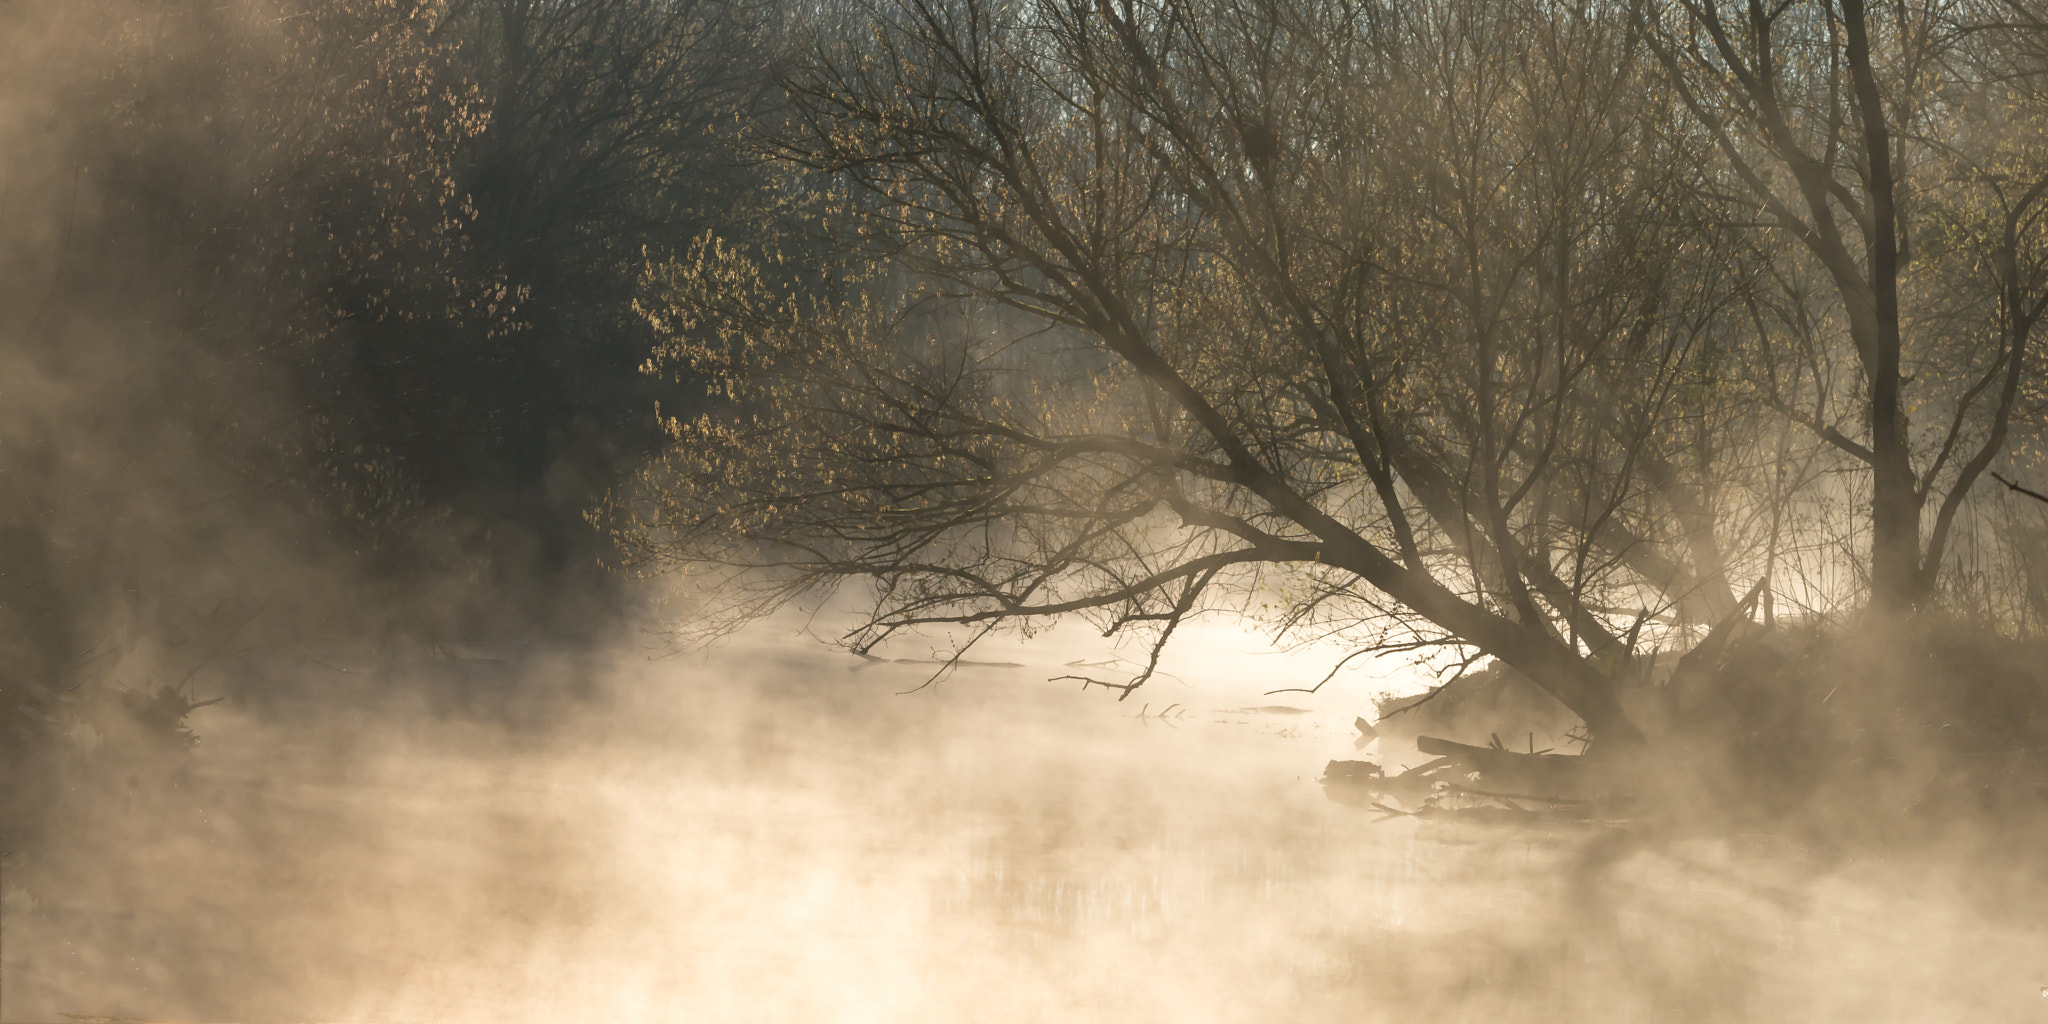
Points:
(1088, 681)
(2036, 495)
(1332, 674)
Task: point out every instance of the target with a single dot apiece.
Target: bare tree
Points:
(1865, 142)
(1367, 314)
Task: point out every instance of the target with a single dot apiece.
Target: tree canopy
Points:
(1531, 329)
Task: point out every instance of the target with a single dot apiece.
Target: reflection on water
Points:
(773, 835)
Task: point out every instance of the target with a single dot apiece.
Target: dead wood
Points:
(1557, 776)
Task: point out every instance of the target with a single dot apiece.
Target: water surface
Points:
(775, 833)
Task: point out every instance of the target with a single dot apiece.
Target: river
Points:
(774, 832)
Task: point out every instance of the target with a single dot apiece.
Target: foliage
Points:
(304, 309)
(1442, 324)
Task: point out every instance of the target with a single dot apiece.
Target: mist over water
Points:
(447, 781)
(772, 832)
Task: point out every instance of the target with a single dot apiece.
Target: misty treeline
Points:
(318, 327)
(425, 220)
(1566, 334)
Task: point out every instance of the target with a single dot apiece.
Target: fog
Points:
(774, 832)
(324, 703)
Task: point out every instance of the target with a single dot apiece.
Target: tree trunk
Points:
(1895, 576)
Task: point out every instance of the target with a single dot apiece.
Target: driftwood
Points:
(1475, 784)
(1361, 783)
(1555, 776)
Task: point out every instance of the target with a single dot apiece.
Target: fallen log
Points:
(1554, 776)
(1360, 783)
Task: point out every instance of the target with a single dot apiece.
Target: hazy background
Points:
(283, 424)
(772, 833)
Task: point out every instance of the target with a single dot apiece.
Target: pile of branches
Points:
(1482, 784)
(1853, 737)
